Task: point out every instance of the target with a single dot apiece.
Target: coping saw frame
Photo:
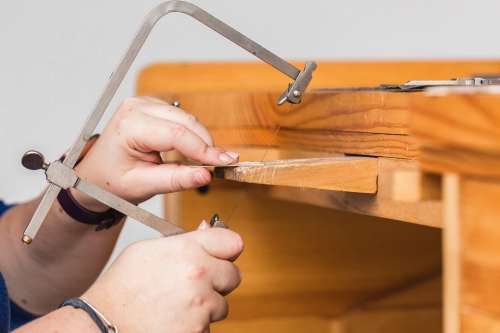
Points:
(61, 174)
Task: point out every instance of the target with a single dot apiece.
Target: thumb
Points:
(220, 243)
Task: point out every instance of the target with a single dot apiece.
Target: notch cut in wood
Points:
(415, 185)
(347, 174)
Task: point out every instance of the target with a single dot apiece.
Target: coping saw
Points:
(60, 174)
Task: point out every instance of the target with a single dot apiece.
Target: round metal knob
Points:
(34, 160)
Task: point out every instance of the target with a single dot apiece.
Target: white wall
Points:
(56, 56)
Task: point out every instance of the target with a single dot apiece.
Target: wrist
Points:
(106, 304)
(102, 323)
(83, 199)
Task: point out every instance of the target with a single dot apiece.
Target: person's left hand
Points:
(126, 160)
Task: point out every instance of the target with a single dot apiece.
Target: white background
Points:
(55, 56)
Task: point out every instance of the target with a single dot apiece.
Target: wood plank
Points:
(480, 216)
(258, 77)
(346, 174)
(368, 112)
(459, 132)
(452, 253)
(367, 144)
(415, 185)
(383, 204)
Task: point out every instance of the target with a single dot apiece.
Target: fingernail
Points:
(200, 178)
(203, 225)
(228, 156)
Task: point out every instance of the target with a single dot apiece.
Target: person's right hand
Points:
(174, 285)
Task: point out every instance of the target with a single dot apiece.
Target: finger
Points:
(220, 243)
(176, 115)
(148, 133)
(166, 178)
(219, 308)
(226, 276)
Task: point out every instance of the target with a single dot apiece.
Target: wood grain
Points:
(480, 218)
(383, 204)
(459, 132)
(258, 77)
(367, 144)
(346, 174)
(367, 112)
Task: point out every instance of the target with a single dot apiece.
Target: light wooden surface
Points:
(459, 132)
(346, 174)
(368, 112)
(357, 143)
(386, 203)
(452, 253)
(158, 79)
(480, 253)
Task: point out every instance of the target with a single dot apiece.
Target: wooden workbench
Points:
(359, 200)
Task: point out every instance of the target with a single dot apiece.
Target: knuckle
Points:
(196, 271)
(175, 181)
(124, 123)
(192, 118)
(203, 150)
(179, 130)
(197, 301)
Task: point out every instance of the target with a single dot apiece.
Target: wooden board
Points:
(459, 132)
(452, 252)
(346, 174)
(236, 102)
(258, 77)
(384, 204)
(367, 144)
(367, 112)
(480, 230)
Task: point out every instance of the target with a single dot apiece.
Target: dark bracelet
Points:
(104, 220)
(77, 212)
(102, 323)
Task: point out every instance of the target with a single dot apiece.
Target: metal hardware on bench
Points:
(416, 85)
(33, 160)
